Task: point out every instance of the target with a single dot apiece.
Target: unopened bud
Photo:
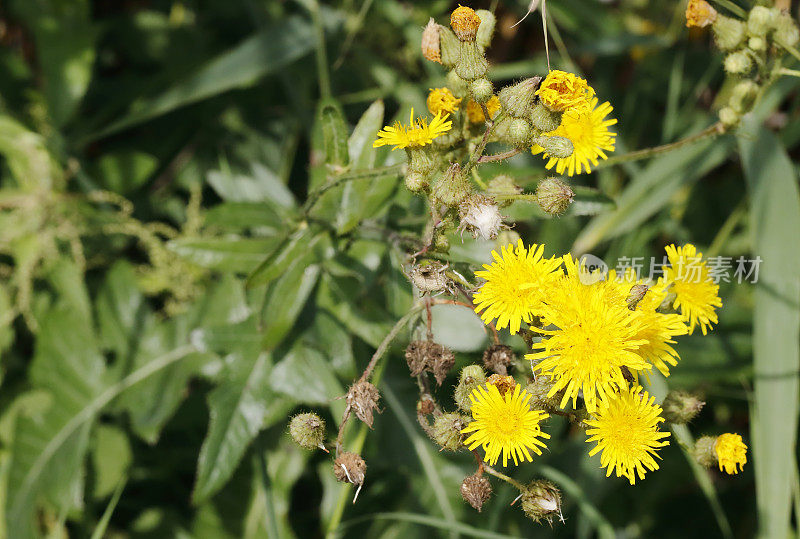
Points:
(504, 384)
(308, 430)
(447, 431)
(519, 133)
(728, 32)
(758, 44)
(465, 23)
(738, 62)
(452, 187)
(420, 160)
(539, 389)
(554, 196)
(743, 96)
(517, 100)
(362, 398)
(416, 182)
(729, 117)
(486, 29)
(680, 407)
(503, 186)
(482, 90)
(457, 85)
(480, 215)
(498, 358)
(471, 63)
(472, 377)
(786, 31)
(476, 490)
(636, 294)
(760, 20)
(450, 48)
(541, 500)
(704, 452)
(430, 42)
(544, 119)
(558, 147)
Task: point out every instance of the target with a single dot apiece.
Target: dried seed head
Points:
(636, 294)
(541, 500)
(442, 363)
(350, 468)
(498, 357)
(680, 407)
(476, 490)
(465, 23)
(430, 42)
(481, 216)
(472, 377)
(425, 405)
(308, 430)
(363, 398)
(429, 277)
(431, 357)
(417, 356)
(447, 431)
(504, 384)
(554, 196)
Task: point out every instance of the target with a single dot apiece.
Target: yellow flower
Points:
(475, 112)
(625, 428)
(416, 135)
(595, 337)
(562, 91)
(731, 453)
(504, 424)
(696, 294)
(441, 101)
(700, 13)
(587, 128)
(516, 283)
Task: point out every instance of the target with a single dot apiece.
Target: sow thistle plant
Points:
(591, 342)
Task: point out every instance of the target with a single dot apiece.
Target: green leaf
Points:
(262, 185)
(121, 310)
(235, 254)
(64, 36)
(285, 298)
(239, 216)
(305, 376)
(774, 223)
(334, 132)
(241, 67)
(111, 458)
(300, 243)
(26, 156)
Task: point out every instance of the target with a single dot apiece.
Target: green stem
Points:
(476, 157)
(499, 156)
(322, 56)
(713, 130)
(789, 72)
(314, 196)
(733, 8)
(491, 471)
(790, 49)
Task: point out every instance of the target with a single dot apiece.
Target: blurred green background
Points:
(155, 152)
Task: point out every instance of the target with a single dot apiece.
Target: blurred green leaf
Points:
(125, 171)
(262, 185)
(238, 216)
(334, 133)
(285, 298)
(239, 255)
(27, 156)
(774, 223)
(305, 376)
(299, 244)
(111, 458)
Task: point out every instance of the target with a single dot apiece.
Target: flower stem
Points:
(713, 130)
(491, 471)
(475, 158)
(314, 195)
(499, 156)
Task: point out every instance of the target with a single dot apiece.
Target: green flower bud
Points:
(519, 133)
(486, 28)
(458, 86)
(416, 182)
(729, 117)
(449, 47)
(554, 196)
(760, 21)
(538, 389)
(505, 237)
(447, 431)
(481, 90)
(541, 500)
(680, 407)
(544, 119)
(743, 96)
(472, 377)
(738, 62)
(452, 187)
(558, 147)
(471, 64)
(728, 33)
(308, 430)
(786, 31)
(704, 452)
(476, 490)
(757, 44)
(503, 185)
(517, 100)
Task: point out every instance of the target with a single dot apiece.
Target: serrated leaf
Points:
(236, 254)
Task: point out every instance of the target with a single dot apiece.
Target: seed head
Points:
(481, 216)
(541, 500)
(363, 397)
(476, 490)
(498, 358)
(554, 196)
(430, 42)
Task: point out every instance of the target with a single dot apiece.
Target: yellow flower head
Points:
(516, 283)
(475, 112)
(587, 128)
(700, 13)
(562, 91)
(696, 294)
(442, 101)
(465, 22)
(416, 135)
(504, 424)
(731, 453)
(625, 428)
(594, 338)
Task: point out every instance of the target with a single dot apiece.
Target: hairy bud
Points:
(728, 32)
(308, 430)
(363, 398)
(554, 196)
(486, 29)
(517, 100)
(704, 451)
(680, 407)
(541, 500)
(544, 119)
(786, 31)
(476, 490)
(761, 20)
(452, 187)
(501, 185)
(481, 90)
(558, 147)
(738, 62)
(743, 96)
(471, 63)
(447, 431)
(472, 377)
(450, 48)
(520, 133)
(729, 117)
(539, 389)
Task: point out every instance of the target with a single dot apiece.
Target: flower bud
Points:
(738, 62)
(743, 96)
(541, 500)
(429, 276)
(481, 90)
(544, 119)
(498, 358)
(728, 33)
(505, 237)
(362, 398)
(480, 215)
(554, 196)
(635, 295)
(757, 44)
(786, 31)
(729, 117)
(420, 160)
(558, 147)
(539, 389)
(703, 451)
(680, 407)
(416, 182)
(350, 468)
(503, 185)
(447, 431)
(430, 42)
(760, 21)
(700, 14)
(486, 29)
(472, 377)
(458, 86)
(503, 383)
(476, 490)
(520, 133)
(465, 23)
(471, 64)
(449, 47)
(308, 430)
(452, 187)
(517, 100)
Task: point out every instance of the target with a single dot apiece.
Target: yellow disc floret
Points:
(442, 101)
(465, 23)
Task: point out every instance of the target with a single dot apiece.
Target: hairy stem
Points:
(713, 130)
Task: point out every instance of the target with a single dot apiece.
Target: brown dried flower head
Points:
(498, 357)
(363, 398)
(476, 490)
